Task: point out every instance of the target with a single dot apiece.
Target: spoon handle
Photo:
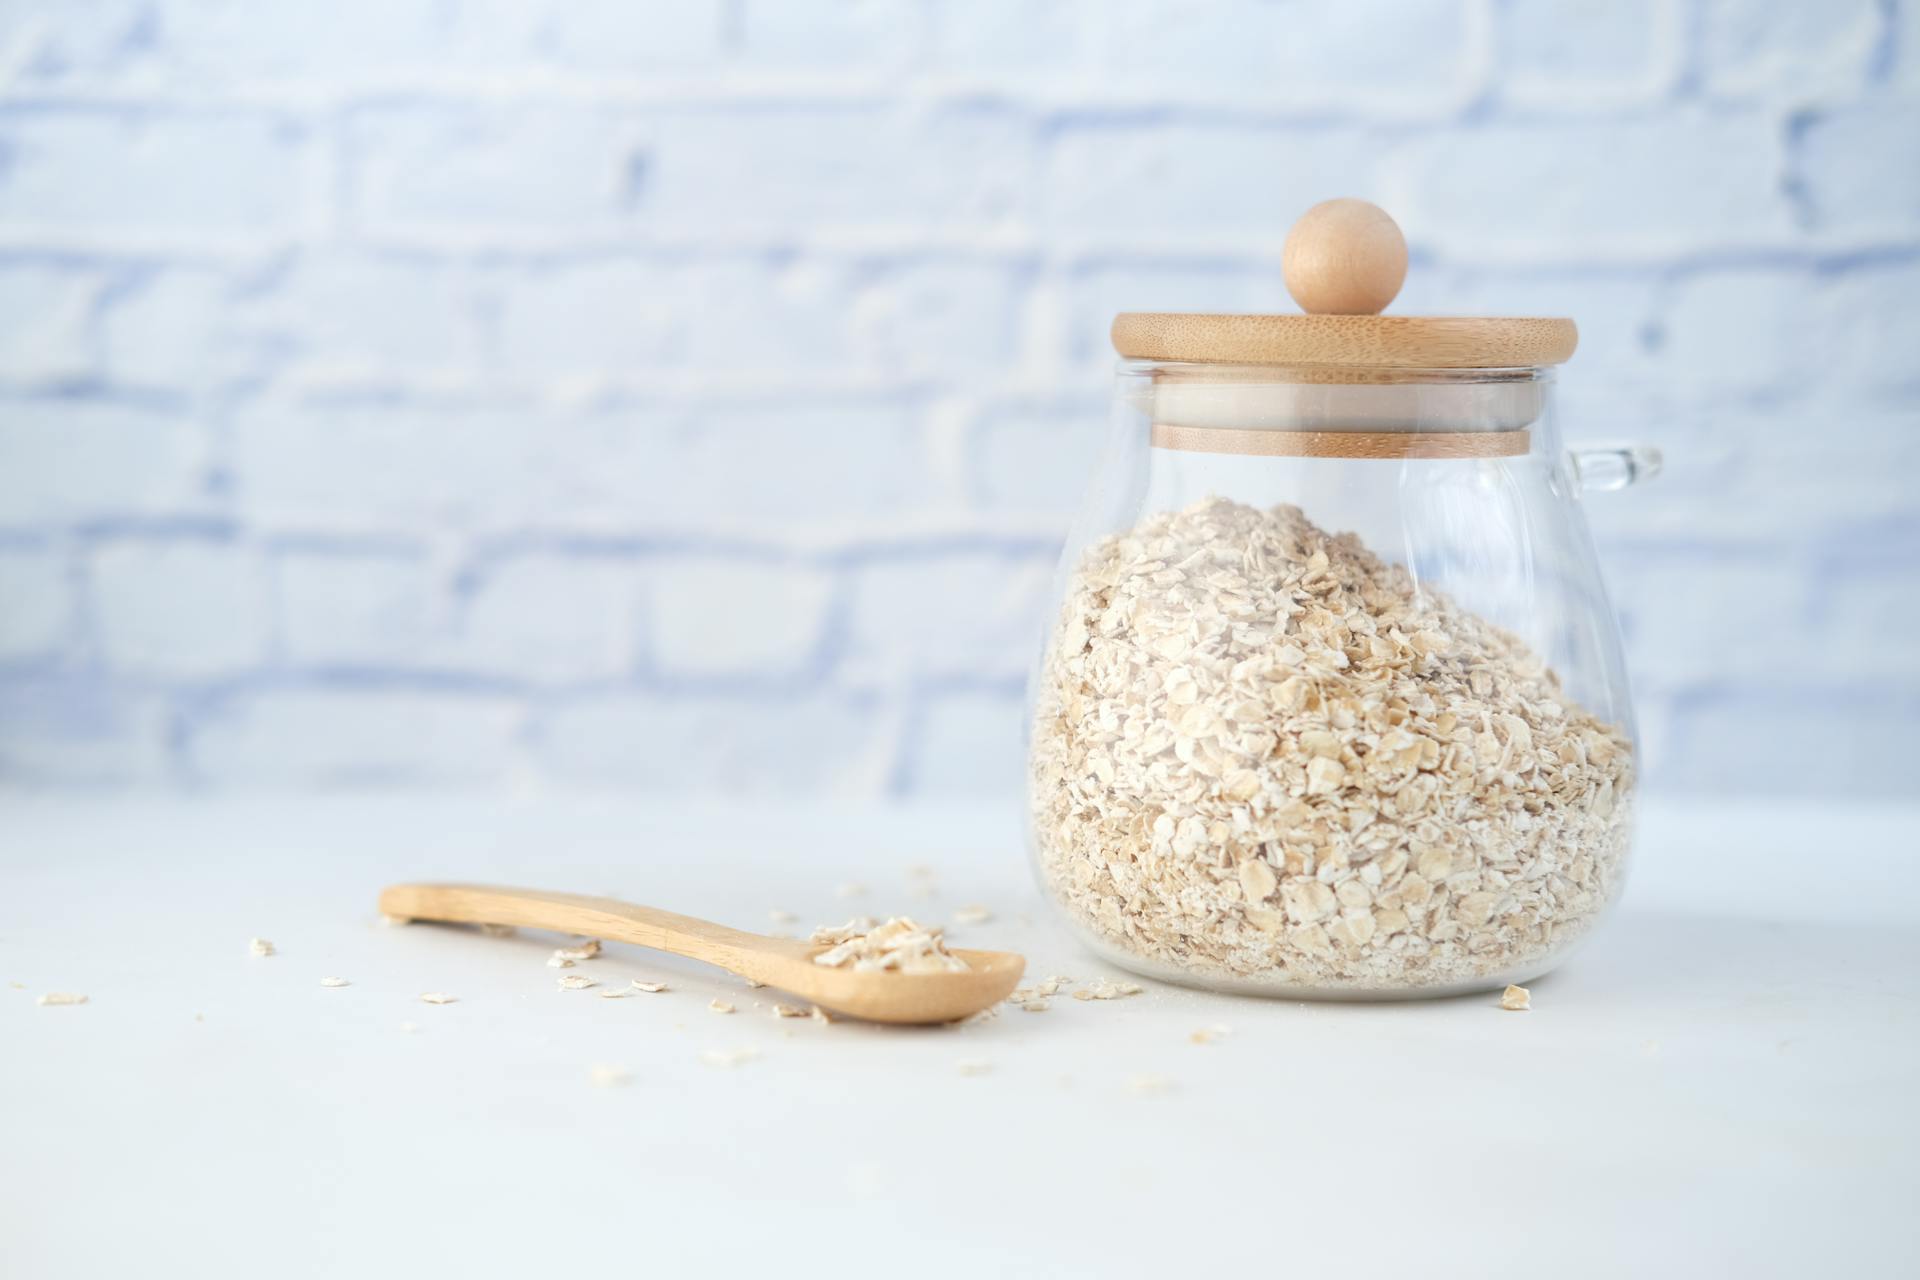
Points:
(573, 913)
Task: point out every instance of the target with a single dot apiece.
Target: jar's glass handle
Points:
(1606, 470)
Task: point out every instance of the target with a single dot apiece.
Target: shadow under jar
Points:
(1333, 704)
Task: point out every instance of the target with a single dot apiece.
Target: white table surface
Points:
(1725, 1081)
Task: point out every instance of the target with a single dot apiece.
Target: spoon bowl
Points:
(875, 995)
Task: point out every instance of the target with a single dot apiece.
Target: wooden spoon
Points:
(884, 996)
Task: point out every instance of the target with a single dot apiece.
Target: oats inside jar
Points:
(1262, 754)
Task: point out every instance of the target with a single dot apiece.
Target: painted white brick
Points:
(591, 319)
(1656, 185)
(1812, 470)
(1861, 167)
(862, 36)
(358, 43)
(616, 37)
(185, 175)
(1038, 459)
(552, 619)
(329, 736)
(1787, 48)
(79, 730)
(1186, 182)
(790, 170)
(358, 464)
(941, 321)
(1680, 637)
(565, 170)
(815, 745)
(43, 43)
(765, 314)
(1739, 333)
(968, 744)
(36, 606)
(1864, 619)
(178, 608)
(64, 460)
(1868, 328)
(750, 467)
(1851, 744)
(44, 311)
(1009, 39)
(357, 608)
(1299, 55)
(1556, 52)
(1094, 295)
(971, 613)
(753, 622)
(347, 316)
(175, 328)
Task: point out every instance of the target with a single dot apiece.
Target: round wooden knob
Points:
(1345, 257)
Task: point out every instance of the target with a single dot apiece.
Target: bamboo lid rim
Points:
(1356, 341)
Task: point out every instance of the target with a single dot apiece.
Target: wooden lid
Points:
(1345, 261)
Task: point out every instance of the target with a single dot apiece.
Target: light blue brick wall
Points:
(694, 394)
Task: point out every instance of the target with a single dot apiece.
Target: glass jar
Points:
(1334, 703)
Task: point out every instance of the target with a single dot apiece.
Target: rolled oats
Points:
(61, 997)
(438, 997)
(335, 982)
(900, 944)
(261, 947)
(651, 988)
(728, 1057)
(1516, 999)
(1262, 753)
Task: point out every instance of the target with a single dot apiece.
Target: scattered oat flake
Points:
(972, 915)
(1516, 999)
(261, 947)
(651, 988)
(398, 920)
(606, 1077)
(61, 997)
(587, 950)
(616, 993)
(576, 982)
(974, 1067)
(1150, 1083)
(1207, 1035)
(556, 961)
(1036, 1006)
(753, 984)
(728, 1057)
(788, 1011)
(901, 945)
(438, 997)
(498, 930)
(851, 889)
(1102, 989)
(335, 982)
(719, 1006)
(820, 1015)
